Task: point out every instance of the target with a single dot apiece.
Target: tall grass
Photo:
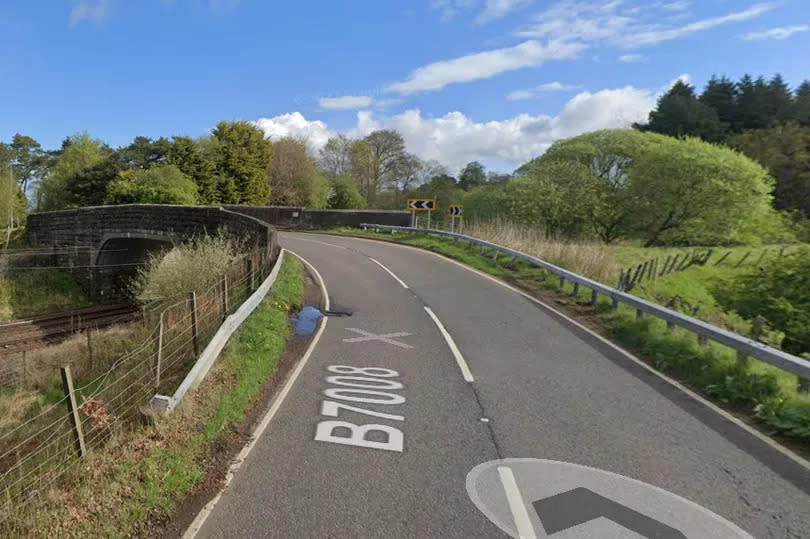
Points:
(188, 267)
(589, 259)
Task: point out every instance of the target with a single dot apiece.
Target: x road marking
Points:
(386, 338)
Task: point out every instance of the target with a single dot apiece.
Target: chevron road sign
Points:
(421, 204)
(456, 210)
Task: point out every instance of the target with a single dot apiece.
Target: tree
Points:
(679, 114)
(382, 154)
(609, 156)
(801, 110)
(472, 175)
(752, 102)
(77, 152)
(241, 155)
(688, 191)
(160, 184)
(779, 101)
(407, 175)
(88, 186)
(721, 95)
(345, 194)
(294, 177)
(28, 159)
(190, 158)
(335, 157)
(144, 153)
(785, 151)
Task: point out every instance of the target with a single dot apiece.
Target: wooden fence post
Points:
(252, 275)
(224, 297)
(73, 410)
(192, 305)
(24, 368)
(159, 351)
(620, 286)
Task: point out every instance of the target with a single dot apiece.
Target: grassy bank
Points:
(138, 477)
(29, 293)
(760, 391)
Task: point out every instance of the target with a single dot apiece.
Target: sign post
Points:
(456, 212)
(420, 204)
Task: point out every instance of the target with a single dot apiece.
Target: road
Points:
(504, 377)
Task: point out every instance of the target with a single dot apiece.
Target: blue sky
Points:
(494, 80)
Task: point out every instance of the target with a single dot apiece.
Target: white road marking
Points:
(321, 242)
(386, 338)
(391, 273)
(795, 457)
(523, 523)
(462, 364)
(201, 517)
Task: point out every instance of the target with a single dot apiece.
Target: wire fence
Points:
(44, 428)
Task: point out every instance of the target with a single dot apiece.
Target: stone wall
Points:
(292, 217)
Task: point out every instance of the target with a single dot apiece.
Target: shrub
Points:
(163, 184)
(186, 268)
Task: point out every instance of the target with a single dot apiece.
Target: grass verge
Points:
(131, 484)
(41, 291)
(752, 389)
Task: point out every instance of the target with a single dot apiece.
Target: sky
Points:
(490, 80)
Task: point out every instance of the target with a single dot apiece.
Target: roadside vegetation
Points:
(30, 293)
(130, 484)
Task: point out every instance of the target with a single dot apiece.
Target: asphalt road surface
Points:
(440, 370)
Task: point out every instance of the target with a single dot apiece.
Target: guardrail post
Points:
(576, 290)
(159, 351)
(494, 255)
(594, 297)
(742, 360)
(702, 340)
(670, 325)
(192, 305)
(73, 410)
(804, 385)
(481, 250)
(639, 314)
(614, 304)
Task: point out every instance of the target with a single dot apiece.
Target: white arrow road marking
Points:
(386, 338)
(523, 523)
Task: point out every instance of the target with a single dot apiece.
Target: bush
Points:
(346, 194)
(163, 184)
(778, 292)
(186, 268)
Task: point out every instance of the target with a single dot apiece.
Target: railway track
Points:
(31, 333)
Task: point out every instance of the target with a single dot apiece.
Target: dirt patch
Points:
(232, 440)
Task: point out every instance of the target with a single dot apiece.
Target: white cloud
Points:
(89, 10)
(346, 102)
(530, 93)
(677, 5)
(631, 58)
(451, 8)
(454, 139)
(483, 65)
(293, 124)
(589, 22)
(783, 32)
(652, 37)
(497, 9)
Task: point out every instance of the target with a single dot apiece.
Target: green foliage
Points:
(777, 292)
(785, 151)
(346, 194)
(88, 186)
(190, 158)
(29, 293)
(162, 184)
(78, 152)
(241, 155)
(680, 113)
(472, 175)
(294, 177)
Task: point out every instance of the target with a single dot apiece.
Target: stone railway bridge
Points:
(107, 244)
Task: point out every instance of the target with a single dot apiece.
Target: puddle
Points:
(306, 320)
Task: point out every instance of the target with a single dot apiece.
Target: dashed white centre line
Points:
(391, 273)
(462, 364)
(523, 523)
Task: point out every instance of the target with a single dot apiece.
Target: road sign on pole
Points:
(456, 210)
(421, 204)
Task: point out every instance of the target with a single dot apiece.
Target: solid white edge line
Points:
(795, 457)
(198, 522)
(391, 273)
(462, 364)
(523, 523)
